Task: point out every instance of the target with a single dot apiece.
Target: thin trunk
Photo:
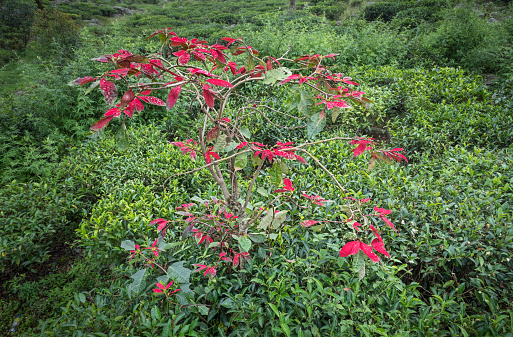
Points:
(292, 4)
(41, 7)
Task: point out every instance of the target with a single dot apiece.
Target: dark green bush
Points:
(16, 18)
(54, 34)
(87, 11)
(35, 217)
(384, 11)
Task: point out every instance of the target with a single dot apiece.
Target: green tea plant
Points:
(233, 227)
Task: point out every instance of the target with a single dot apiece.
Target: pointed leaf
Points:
(152, 100)
(128, 245)
(275, 174)
(219, 83)
(173, 97)
(241, 161)
(244, 244)
(179, 273)
(209, 99)
(110, 92)
(245, 132)
(220, 143)
(212, 134)
(279, 218)
(101, 124)
(316, 125)
(266, 220)
(379, 246)
(334, 114)
(137, 277)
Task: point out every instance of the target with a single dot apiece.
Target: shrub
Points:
(16, 18)
(54, 34)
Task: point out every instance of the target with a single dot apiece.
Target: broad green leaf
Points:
(266, 220)
(244, 243)
(361, 272)
(284, 167)
(137, 277)
(128, 245)
(249, 63)
(262, 191)
(203, 309)
(304, 105)
(122, 137)
(256, 160)
(257, 237)
(334, 114)
(241, 161)
(178, 272)
(279, 218)
(359, 262)
(230, 146)
(198, 199)
(245, 132)
(275, 174)
(276, 75)
(163, 279)
(220, 143)
(316, 125)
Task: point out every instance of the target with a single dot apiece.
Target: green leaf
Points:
(230, 146)
(262, 191)
(316, 125)
(285, 328)
(273, 307)
(244, 244)
(178, 272)
(137, 277)
(305, 103)
(241, 161)
(166, 331)
(92, 87)
(359, 264)
(334, 114)
(128, 245)
(284, 167)
(448, 283)
(220, 143)
(276, 75)
(203, 309)
(257, 237)
(275, 174)
(255, 160)
(249, 63)
(122, 137)
(245, 132)
(279, 218)
(267, 219)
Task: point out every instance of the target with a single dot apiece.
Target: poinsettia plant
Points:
(212, 74)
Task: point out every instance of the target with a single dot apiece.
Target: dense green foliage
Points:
(68, 200)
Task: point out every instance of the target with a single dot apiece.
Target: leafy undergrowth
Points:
(450, 272)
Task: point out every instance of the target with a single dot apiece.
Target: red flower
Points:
(163, 289)
(154, 248)
(316, 199)
(382, 212)
(210, 271)
(287, 186)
